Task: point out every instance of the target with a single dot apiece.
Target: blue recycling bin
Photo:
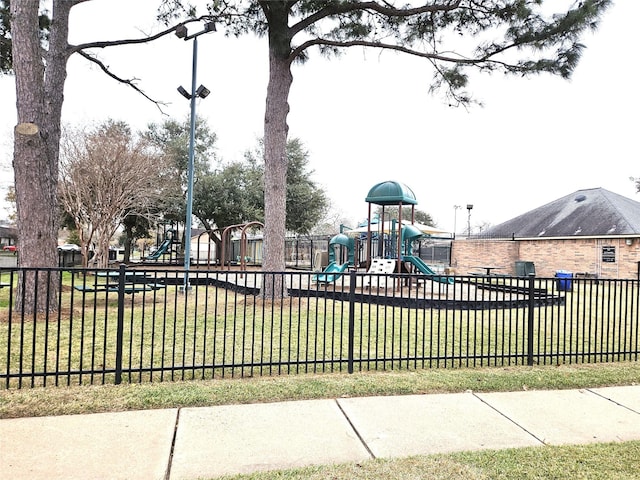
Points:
(563, 284)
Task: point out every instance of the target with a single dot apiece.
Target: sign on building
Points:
(609, 254)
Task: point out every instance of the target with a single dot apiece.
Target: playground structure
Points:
(165, 248)
(210, 252)
(341, 256)
(226, 240)
(394, 251)
(379, 256)
(410, 233)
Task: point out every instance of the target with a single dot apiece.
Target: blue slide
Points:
(331, 273)
(424, 268)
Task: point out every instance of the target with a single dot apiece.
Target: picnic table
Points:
(134, 282)
(129, 288)
(129, 276)
(488, 268)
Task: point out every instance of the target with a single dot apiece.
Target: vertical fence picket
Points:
(530, 320)
(351, 328)
(120, 325)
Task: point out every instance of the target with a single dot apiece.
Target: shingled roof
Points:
(591, 212)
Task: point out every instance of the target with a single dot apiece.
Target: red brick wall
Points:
(548, 256)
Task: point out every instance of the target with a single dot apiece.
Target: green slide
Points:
(424, 268)
(331, 273)
(162, 249)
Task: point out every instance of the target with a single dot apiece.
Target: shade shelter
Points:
(390, 193)
(388, 227)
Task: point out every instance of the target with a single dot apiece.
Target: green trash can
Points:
(564, 284)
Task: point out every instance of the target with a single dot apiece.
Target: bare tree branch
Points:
(137, 41)
(129, 82)
(81, 49)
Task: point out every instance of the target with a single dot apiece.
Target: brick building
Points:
(591, 232)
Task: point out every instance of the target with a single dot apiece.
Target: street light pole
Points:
(190, 168)
(455, 217)
(201, 92)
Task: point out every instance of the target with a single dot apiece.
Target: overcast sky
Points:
(368, 117)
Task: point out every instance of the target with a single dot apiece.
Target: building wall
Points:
(605, 258)
(468, 255)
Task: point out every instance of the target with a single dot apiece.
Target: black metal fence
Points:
(143, 325)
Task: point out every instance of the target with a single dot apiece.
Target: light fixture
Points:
(629, 241)
(181, 31)
(184, 93)
(202, 91)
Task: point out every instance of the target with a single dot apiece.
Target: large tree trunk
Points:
(128, 242)
(275, 150)
(39, 94)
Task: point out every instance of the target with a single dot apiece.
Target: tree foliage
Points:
(306, 202)
(171, 139)
(135, 227)
(10, 199)
(229, 196)
(234, 193)
(521, 37)
(6, 57)
(106, 175)
(34, 47)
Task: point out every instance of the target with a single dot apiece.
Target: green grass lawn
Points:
(40, 401)
(598, 461)
(608, 461)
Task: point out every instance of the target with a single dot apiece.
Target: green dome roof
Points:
(391, 193)
(411, 232)
(341, 239)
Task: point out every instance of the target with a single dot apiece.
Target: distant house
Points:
(8, 236)
(592, 232)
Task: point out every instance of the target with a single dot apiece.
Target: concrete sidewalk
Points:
(207, 442)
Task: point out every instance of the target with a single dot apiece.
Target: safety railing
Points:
(151, 324)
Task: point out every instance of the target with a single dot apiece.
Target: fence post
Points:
(530, 318)
(352, 312)
(120, 329)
